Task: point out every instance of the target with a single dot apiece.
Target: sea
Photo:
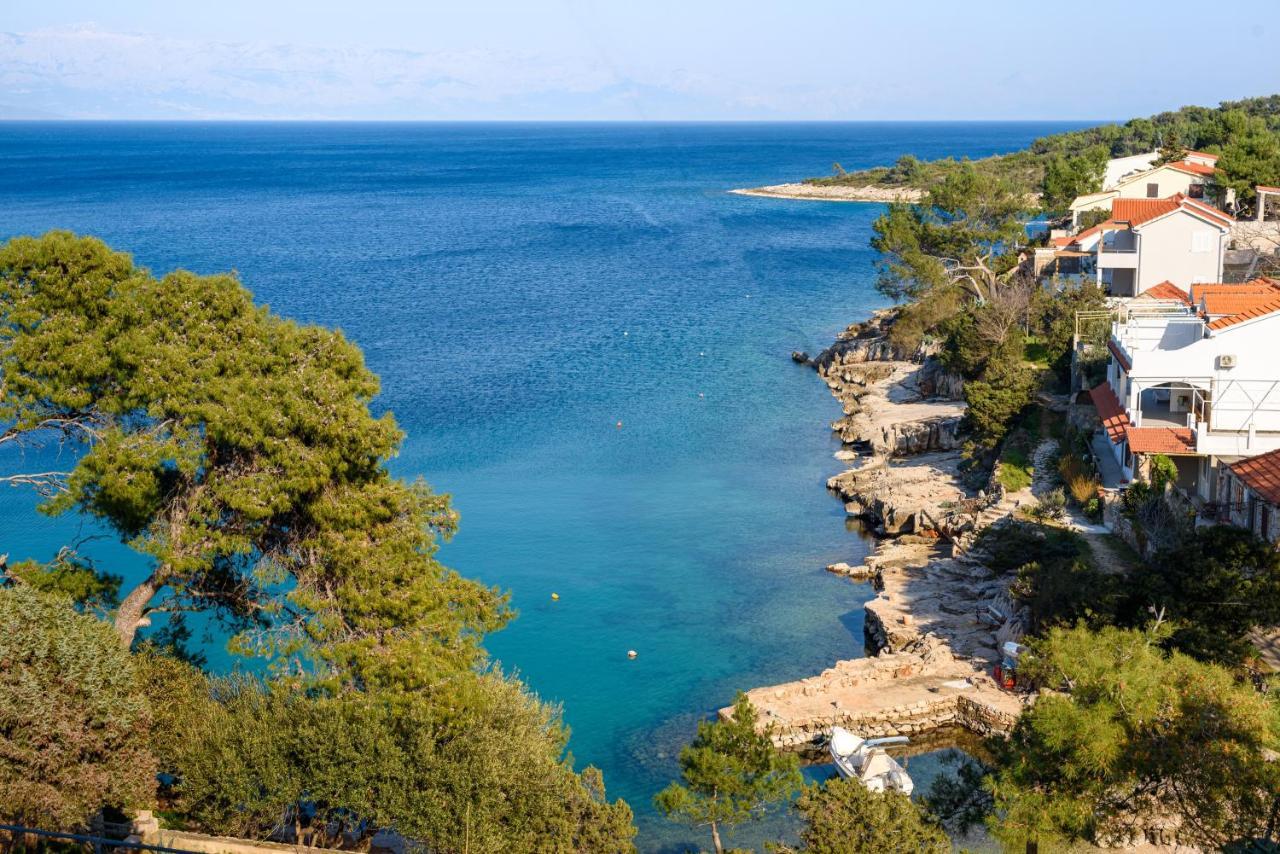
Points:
(587, 340)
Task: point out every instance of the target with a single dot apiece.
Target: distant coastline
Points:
(834, 193)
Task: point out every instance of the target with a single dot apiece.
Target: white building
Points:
(1190, 177)
(1195, 377)
(1149, 241)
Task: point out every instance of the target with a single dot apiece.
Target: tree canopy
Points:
(731, 773)
(844, 817)
(962, 234)
(74, 727)
(237, 453)
(1135, 736)
(1214, 586)
(235, 450)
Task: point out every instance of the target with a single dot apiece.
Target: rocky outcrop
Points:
(901, 497)
(917, 690)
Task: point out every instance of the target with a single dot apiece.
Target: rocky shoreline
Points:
(938, 620)
(834, 193)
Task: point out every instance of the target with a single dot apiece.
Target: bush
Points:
(1051, 505)
(1061, 592)
(1080, 480)
(843, 817)
(73, 726)
(1011, 545)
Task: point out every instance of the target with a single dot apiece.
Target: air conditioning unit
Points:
(1226, 361)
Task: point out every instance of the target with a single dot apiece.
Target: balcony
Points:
(1118, 259)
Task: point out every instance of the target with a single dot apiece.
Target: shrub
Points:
(73, 726)
(1051, 505)
(1011, 545)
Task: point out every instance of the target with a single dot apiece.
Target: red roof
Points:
(1119, 356)
(1261, 474)
(1160, 440)
(1139, 211)
(1263, 188)
(1206, 155)
(1167, 290)
(1261, 307)
(1260, 285)
(1114, 421)
(1192, 168)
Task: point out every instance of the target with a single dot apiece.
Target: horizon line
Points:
(90, 120)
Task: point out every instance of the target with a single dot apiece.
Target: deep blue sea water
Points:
(522, 290)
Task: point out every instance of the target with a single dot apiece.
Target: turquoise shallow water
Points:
(521, 289)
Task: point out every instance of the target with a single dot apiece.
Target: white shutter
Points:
(1202, 241)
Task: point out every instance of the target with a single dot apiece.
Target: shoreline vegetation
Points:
(1056, 168)
(972, 463)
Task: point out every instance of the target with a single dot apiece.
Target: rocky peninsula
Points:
(835, 193)
(938, 620)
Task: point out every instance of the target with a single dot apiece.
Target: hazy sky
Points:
(630, 59)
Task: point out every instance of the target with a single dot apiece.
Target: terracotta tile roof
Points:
(1260, 285)
(1206, 155)
(1166, 290)
(1192, 168)
(1209, 211)
(1261, 474)
(1119, 356)
(1160, 440)
(1114, 421)
(1260, 308)
(1062, 241)
(1139, 211)
(1263, 188)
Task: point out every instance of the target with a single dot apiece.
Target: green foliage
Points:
(960, 801)
(1051, 505)
(1250, 157)
(73, 726)
(236, 450)
(1201, 128)
(844, 817)
(1088, 219)
(962, 235)
(72, 577)
(731, 774)
(478, 767)
(1214, 586)
(1054, 322)
(1014, 469)
(1055, 576)
(1066, 177)
(995, 401)
(1140, 735)
(1162, 472)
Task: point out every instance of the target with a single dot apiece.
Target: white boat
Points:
(867, 761)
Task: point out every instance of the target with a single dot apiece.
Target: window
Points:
(1153, 191)
(1195, 191)
(1202, 241)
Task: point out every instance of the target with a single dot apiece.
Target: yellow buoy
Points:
(555, 596)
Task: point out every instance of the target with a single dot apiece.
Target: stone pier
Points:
(911, 692)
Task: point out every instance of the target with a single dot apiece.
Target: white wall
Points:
(1170, 181)
(1246, 396)
(1119, 167)
(1165, 252)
